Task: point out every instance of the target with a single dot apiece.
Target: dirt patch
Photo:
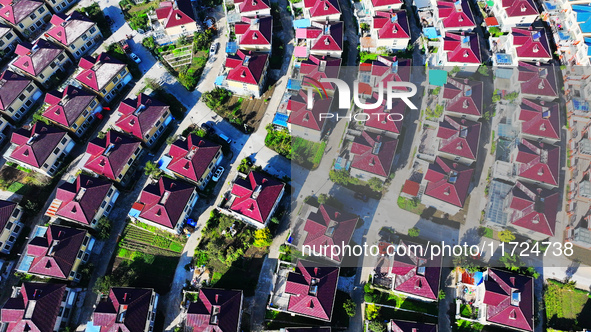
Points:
(253, 110)
(10, 175)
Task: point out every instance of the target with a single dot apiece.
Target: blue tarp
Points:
(134, 213)
(163, 162)
(220, 80)
(294, 84)
(477, 278)
(437, 77)
(191, 222)
(280, 119)
(302, 23)
(431, 32)
(583, 13)
(503, 58)
(231, 47)
(505, 73)
(91, 328)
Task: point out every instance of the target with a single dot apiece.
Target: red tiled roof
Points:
(383, 70)
(459, 137)
(540, 119)
(34, 146)
(520, 8)
(109, 155)
(81, 199)
(175, 13)
(34, 58)
(254, 31)
(140, 115)
(229, 304)
(380, 3)
(300, 115)
(165, 201)
(392, 24)
(533, 208)
(247, 6)
(323, 8)
(329, 226)
(417, 274)
(67, 106)
(246, 66)
(97, 73)
(11, 86)
(318, 67)
(537, 80)
(136, 302)
(455, 16)
(411, 188)
(448, 181)
(330, 37)
(14, 11)
(406, 326)
(6, 210)
(312, 300)
(381, 118)
(462, 48)
(538, 162)
(531, 43)
(192, 156)
(67, 30)
(373, 153)
(501, 287)
(464, 97)
(256, 195)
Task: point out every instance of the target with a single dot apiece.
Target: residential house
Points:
(459, 139)
(5, 128)
(76, 33)
(397, 325)
(460, 50)
(463, 98)
(246, 72)
(370, 7)
(8, 40)
(58, 6)
(18, 95)
(73, 109)
(253, 8)
(372, 156)
(40, 61)
(378, 73)
(24, 16)
(255, 198)
(384, 121)
(315, 68)
(305, 121)
(10, 225)
(537, 163)
(322, 10)
(41, 148)
(312, 290)
(510, 13)
(176, 18)
(166, 204)
(215, 310)
(416, 274)
(537, 81)
(103, 75)
(43, 307)
(532, 210)
(527, 44)
(454, 16)
(113, 156)
(56, 252)
(390, 31)
(144, 117)
(447, 185)
(254, 33)
(85, 201)
(326, 227)
(321, 39)
(540, 120)
(126, 309)
(194, 159)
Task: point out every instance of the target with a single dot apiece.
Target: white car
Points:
(135, 58)
(214, 48)
(218, 174)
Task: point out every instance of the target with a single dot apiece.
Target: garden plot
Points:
(155, 242)
(181, 56)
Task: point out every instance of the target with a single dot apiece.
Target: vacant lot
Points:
(306, 153)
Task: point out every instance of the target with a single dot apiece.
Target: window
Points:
(30, 88)
(58, 7)
(84, 37)
(85, 241)
(157, 123)
(11, 239)
(21, 97)
(15, 213)
(93, 221)
(41, 10)
(22, 26)
(74, 47)
(103, 204)
(82, 48)
(137, 151)
(18, 116)
(61, 57)
(45, 165)
(115, 80)
(108, 209)
(65, 297)
(9, 36)
(28, 103)
(10, 110)
(64, 140)
(10, 223)
(120, 176)
(22, 110)
(93, 103)
(130, 161)
(74, 126)
(17, 229)
(52, 65)
(33, 16)
(1, 43)
(103, 91)
(52, 170)
(56, 151)
(72, 274)
(119, 86)
(7, 247)
(85, 258)
(39, 23)
(41, 76)
(80, 253)
(89, 43)
(85, 113)
(67, 313)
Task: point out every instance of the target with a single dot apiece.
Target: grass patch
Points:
(567, 308)
(279, 141)
(144, 270)
(487, 232)
(149, 239)
(307, 153)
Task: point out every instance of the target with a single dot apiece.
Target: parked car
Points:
(362, 197)
(125, 46)
(135, 58)
(214, 48)
(218, 174)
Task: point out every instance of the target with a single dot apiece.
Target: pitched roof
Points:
(67, 106)
(383, 70)
(248, 6)
(537, 80)
(67, 29)
(175, 13)
(246, 66)
(533, 208)
(96, 73)
(300, 115)
(256, 195)
(6, 210)
(322, 8)
(519, 8)
(312, 290)
(55, 251)
(392, 25)
(380, 3)
(109, 155)
(329, 226)
(455, 14)
(373, 153)
(140, 115)
(382, 118)
(459, 137)
(462, 48)
(317, 67)
(192, 156)
(398, 325)
(216, 310)
(35, 307)
(509, 299)
(531, 43)
(164, 201)
(134, 302)
(14, 11)
(34, 58)
(540, 118)
(417, 272)
(326, 36)
(82, 199)
(11, 86)
(448, 181)
(538, 162)
(35, 145)
(463, 96)
(254, 31)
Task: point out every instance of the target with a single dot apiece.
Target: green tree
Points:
(506, 236)
(341, 177)
(151, 169)
(149, 43)
(102, 285)
(371, 311)
(322, 198)
(511, 262)
(103, 228)
(376, 184)
(441, 294)
(364, 26)
(350, 307)
(376, 326)
(414, 232)
(262, 238)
